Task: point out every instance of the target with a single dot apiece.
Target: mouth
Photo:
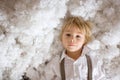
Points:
(71, 45)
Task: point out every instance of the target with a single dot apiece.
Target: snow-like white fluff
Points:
(29, 31)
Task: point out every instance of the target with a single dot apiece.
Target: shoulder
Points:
(97, 65)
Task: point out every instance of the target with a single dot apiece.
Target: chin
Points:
(72, 50)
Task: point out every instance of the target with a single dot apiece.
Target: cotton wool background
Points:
(29, 31)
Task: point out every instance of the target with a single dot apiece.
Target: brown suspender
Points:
(89, 64)
(62, 69)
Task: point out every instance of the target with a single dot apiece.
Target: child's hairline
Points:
(68, 27)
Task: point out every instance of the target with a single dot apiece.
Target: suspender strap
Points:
(89, 64)
(62, 70)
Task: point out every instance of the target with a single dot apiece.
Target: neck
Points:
(74, 55)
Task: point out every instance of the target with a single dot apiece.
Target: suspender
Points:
(62, 69)
(89, 64)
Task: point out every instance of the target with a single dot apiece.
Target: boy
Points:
(72, 63)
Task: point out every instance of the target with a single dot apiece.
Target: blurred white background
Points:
(29, 33)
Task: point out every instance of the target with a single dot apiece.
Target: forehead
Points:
(73, 28)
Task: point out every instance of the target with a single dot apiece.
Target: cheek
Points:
(63, 37)
(63, 40)
(82, 41)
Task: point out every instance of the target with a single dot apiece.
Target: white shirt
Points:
(74, 69)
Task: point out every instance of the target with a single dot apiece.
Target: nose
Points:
(72, 39)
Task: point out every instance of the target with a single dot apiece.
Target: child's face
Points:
(73, 39)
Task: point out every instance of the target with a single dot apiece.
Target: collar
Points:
(63, 55)
(85, 51)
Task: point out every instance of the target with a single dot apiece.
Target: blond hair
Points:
(81, 24)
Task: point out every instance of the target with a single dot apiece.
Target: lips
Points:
(71, 45)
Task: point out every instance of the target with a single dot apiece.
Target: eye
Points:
(68, 35)
(78, 36)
